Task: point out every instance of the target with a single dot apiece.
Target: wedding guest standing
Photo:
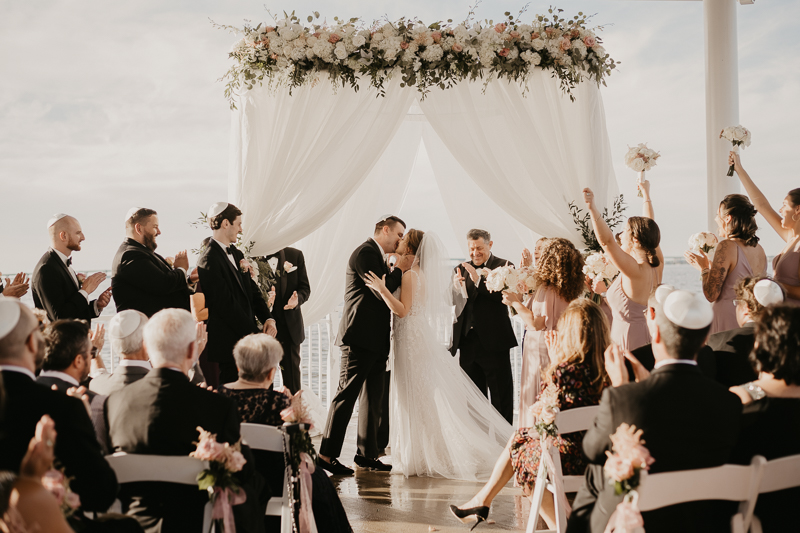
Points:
(55, 285)
(292, 290)
(483, 333)
(143, 280)
(640, 263)
(786, 222)
(559, 280)
(126, 333)
(737, 255)
(233, 299)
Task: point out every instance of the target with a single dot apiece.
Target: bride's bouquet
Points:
(598, 268)
(511, 279)
(640, 159)
(703, 241)
(738, 136)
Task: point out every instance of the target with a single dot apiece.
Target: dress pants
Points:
(490, 370)
(361, 376)
(383, 427)
(290, 366)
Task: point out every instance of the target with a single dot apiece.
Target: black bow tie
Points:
(69, 261)
(230, 249)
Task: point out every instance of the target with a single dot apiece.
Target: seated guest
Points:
(578, 372)
(689, 421)
(159, 415)
(77, 449)
(771, 422)
(125, 330)
(731, 349)
(67, 356)
(257, 358)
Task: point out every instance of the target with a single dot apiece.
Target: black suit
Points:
(76, 449)
(142, 280)
(159, 415)
(364, 337)
(56, 292)
(484, 335)
(731, 353)
(291, 330)
(689, 421)
(234, 301)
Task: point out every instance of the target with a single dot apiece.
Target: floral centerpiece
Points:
(704, 242)
(640, 159)
(294, 53)
(57, 483)
(223, 489)
(623, 468)
(738, 136)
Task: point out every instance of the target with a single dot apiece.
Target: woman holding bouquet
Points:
(640, 262)
(578, 374)
(786, 222)
(738, 255)
(559, 280)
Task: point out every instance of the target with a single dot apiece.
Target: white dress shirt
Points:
(60, 375)
(665, 362)
(225, 251)
(135, 362)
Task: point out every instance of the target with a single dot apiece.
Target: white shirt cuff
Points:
(85, 295)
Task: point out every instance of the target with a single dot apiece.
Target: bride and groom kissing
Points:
(441, 422)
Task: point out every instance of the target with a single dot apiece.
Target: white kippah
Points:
(383, 218)
(767, 292)
(688, 310)
(9, 315)
(217, 208)
(662, 291)
(123, 324)
(55, 218)
(132, 211)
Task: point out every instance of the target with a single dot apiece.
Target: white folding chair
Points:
(726, 482)
(569, 421)
(779, 474)
(271, 439)
(131, 468)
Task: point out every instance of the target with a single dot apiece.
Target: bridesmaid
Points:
(640, 262)
(559, 280)
(528, 260)
(738, 255)
(786, 221)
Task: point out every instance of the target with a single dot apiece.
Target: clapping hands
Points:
(17, 287)
(615, 358)
(41, 450)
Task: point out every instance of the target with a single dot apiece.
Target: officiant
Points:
(483, 333)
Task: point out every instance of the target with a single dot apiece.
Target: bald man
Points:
(55, 285)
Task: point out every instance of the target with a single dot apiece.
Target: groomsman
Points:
(483, 332)
(232, 297)
(292, 290)
(143, 280)
(56, 288)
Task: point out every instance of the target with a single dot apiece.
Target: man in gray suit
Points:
(125, 331)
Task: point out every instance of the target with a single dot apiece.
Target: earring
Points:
(794, 219)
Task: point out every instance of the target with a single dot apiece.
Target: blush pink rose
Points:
(269, 29)
(53, 481)
(404, 45)
(640, 456)
(566, 44)
(549, 415)
(209, 450)
(274, 56)
(549, 31)
(436, 36)
(73, 500)
(333, 39)
(457, 47)
(536, 409)
(504, 52)
(618, 468)
(589, 41)
(514, 34)
(535, 35)
(235, 461)
(500, 28)
(317, 34)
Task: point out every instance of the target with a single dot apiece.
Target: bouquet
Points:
(508, 278)
(640, 159)
(598, 268)
(623, 468)
(703, 241)
(544, 411)
(296, 423)
(738, 136)
(58, 485)
(223, 488)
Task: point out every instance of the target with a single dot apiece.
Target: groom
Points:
(364, 334)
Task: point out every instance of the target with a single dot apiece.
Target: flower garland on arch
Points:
(437, 55)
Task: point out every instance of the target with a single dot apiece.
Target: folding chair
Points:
(779, 474)
(271, 439)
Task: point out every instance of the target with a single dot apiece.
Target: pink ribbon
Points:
(224, 500)
(307, 523)
(626, 517)
(557, 481)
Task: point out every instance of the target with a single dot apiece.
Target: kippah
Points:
(662, 291)
(767, 292)
(217, 208)
(55, 218)
(123, 324)
(132, 211)
(384, 218)
(688, 310)
(9, 315)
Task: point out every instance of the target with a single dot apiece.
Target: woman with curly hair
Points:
(738, 255)
(559, 280)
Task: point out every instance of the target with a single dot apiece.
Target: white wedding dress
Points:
(441, 424)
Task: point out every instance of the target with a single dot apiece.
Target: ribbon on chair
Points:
(626, 518)
(557, 481)
(307, 523)
(224, 500)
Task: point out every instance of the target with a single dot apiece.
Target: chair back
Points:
(577, 419)
(262, 437)
(781, 474)
(131, 468)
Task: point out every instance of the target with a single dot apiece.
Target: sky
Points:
(107, 105)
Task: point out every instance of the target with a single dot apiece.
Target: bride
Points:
(440, 422)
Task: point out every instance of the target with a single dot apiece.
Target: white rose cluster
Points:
(641, 158)
(703, 241)
(737, 135)
(508, 278)
(597, 268)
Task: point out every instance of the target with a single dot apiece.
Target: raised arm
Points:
(757, 197)
(399, 307)
(649, 212)
(624, 262)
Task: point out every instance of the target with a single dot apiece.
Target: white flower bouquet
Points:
(703, 241)
(640, 159)
(738, 136)
(597, 268)
(508, 278)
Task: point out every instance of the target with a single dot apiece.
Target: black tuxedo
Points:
(689, 421)
(122, 375)
(233, 300)
(364, 337)
(55, 291)
(76, 449)
(731, 352)
(142, 280)
(291, 330)
(484, 335)
(705, 361)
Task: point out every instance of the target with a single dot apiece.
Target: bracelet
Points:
(704, 272)
(648, 200)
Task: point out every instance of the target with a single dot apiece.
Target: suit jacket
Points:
(484, 312)
(731, 352)
(366, 319)
(54, 290)
(142, 280)
(290, 325)
(233, 300)
(61, 385)
(76, 448)
(122, 375)
(705, 362)
(689, 421)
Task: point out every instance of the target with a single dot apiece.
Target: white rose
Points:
(359, 40)
(637, 165)
(538, 44)
(378, 37)
(600, 51)
(340, 51)
(299, 53)
(432, 53)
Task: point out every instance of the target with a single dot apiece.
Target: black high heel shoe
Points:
(479, 514)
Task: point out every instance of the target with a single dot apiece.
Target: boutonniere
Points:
(81, 279)
(483, 272)
(288, 267)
